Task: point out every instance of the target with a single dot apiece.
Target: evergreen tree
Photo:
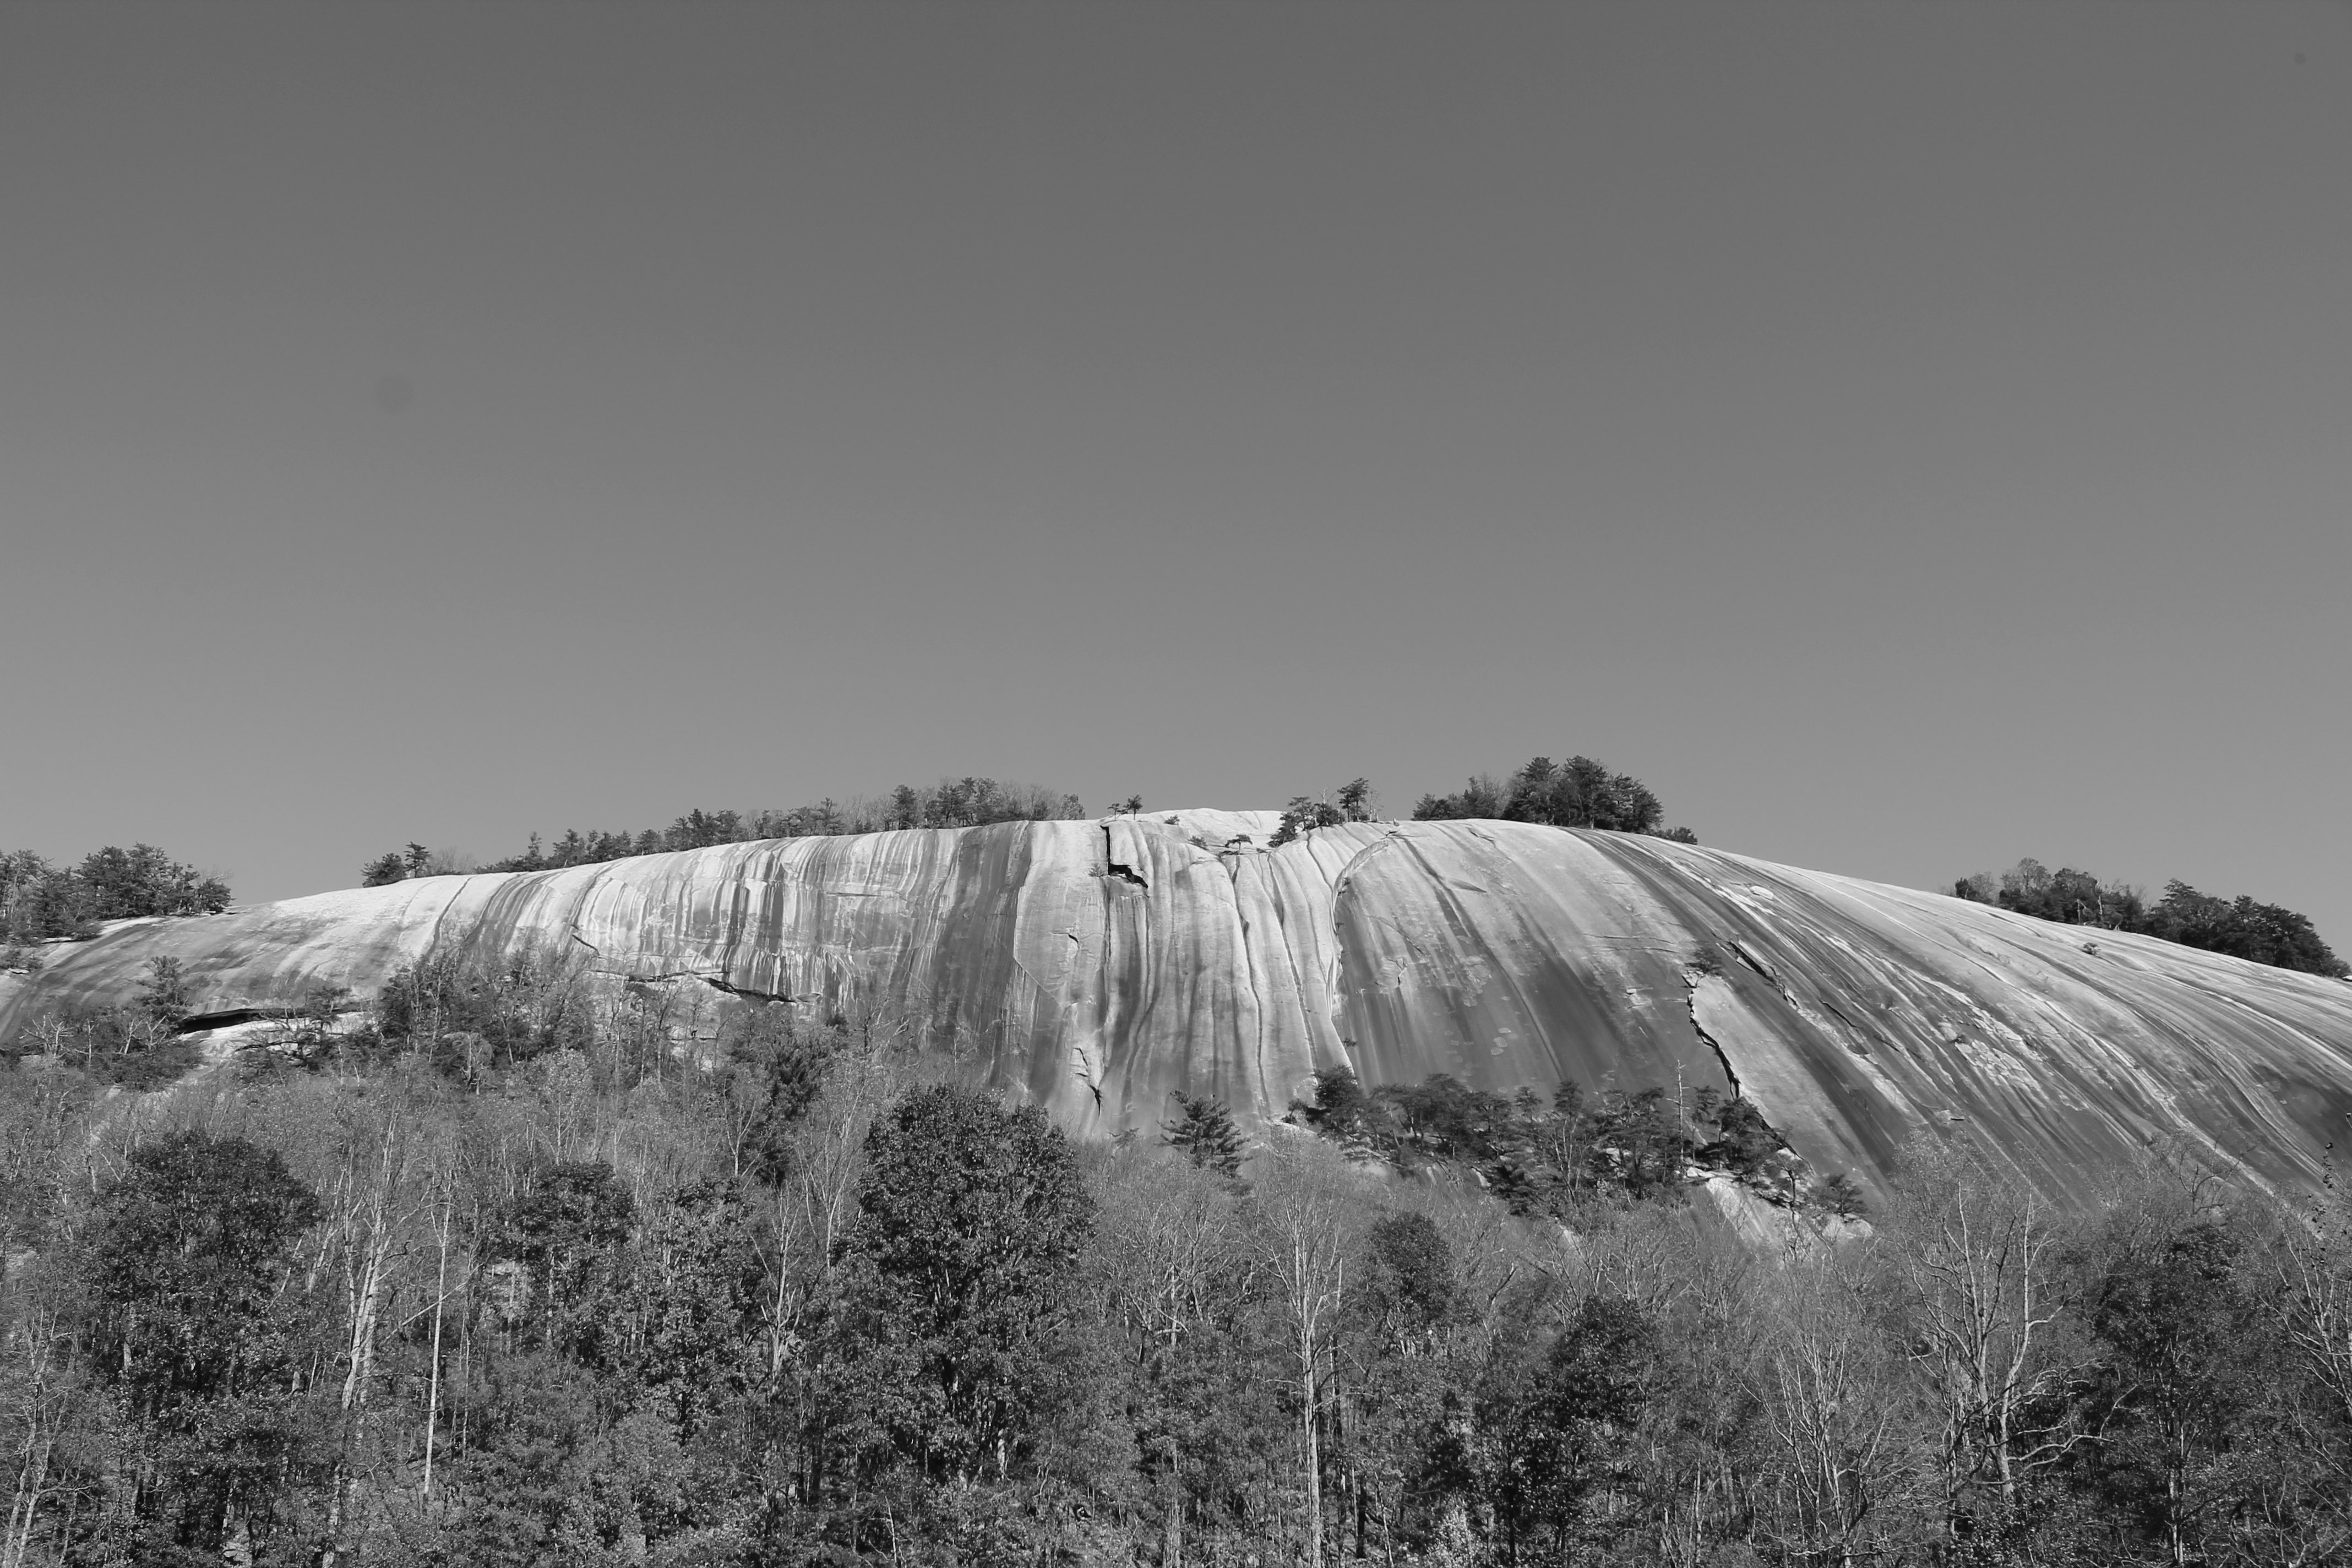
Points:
(1411, 1288)
(1341, 1107)
(190, 1270)
(163, 992)
(2243, 928)
(1204, 1133)
(2172, 1390)
(1554, 1433)
(1303, 816)
(956, 1302)
(1578, 792)
(556, 1261)
(123, 884)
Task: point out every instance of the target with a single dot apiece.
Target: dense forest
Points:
(2242, 928)
(40, 902)
(502, 1269)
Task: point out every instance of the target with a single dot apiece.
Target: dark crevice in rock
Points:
(749, 992)
(1708, 1040)
(1348, 871)
(1113, 869)
(229, 1018)
(1086, 1076)
(1758, 965)
(1342, 889)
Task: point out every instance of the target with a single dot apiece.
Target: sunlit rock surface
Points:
(1097, 966)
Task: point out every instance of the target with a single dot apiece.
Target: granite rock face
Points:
(1095, 967)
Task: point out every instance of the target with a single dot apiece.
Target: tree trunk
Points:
(1308, 1391)
(31, 1481)
(1171, 1533)
(432, 1393)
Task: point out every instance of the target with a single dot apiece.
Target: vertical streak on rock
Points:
(1292, 1038)
(1299, 894)
(738, 896)
(1857, 1015)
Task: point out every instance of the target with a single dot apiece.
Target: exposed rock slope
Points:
(1095, 966)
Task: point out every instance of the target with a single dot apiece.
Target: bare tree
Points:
(1169, 1257)
(1842, 1414)
(1975, 1254)
(2315, 1297)
(1305, 1206)
(372, 1208)
(816, 1202)
(40, 1395)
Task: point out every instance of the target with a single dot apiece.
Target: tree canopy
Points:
(1578, 792)
(40, 902)
(2242, 928)
(971, 1219)
(698, 1281)
(966, 802)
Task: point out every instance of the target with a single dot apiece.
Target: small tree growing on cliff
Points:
(1303, 816)
(164, 993)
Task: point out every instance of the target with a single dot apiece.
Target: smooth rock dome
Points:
(1096, 967)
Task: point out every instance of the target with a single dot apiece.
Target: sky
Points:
(1906, 437)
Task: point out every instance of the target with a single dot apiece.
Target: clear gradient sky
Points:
(1907, 436)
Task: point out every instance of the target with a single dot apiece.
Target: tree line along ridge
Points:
(967, 802)
(2240, 927)
(43, 902)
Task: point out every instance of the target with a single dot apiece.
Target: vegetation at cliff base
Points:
(1559, 1155)
(502, 1268)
